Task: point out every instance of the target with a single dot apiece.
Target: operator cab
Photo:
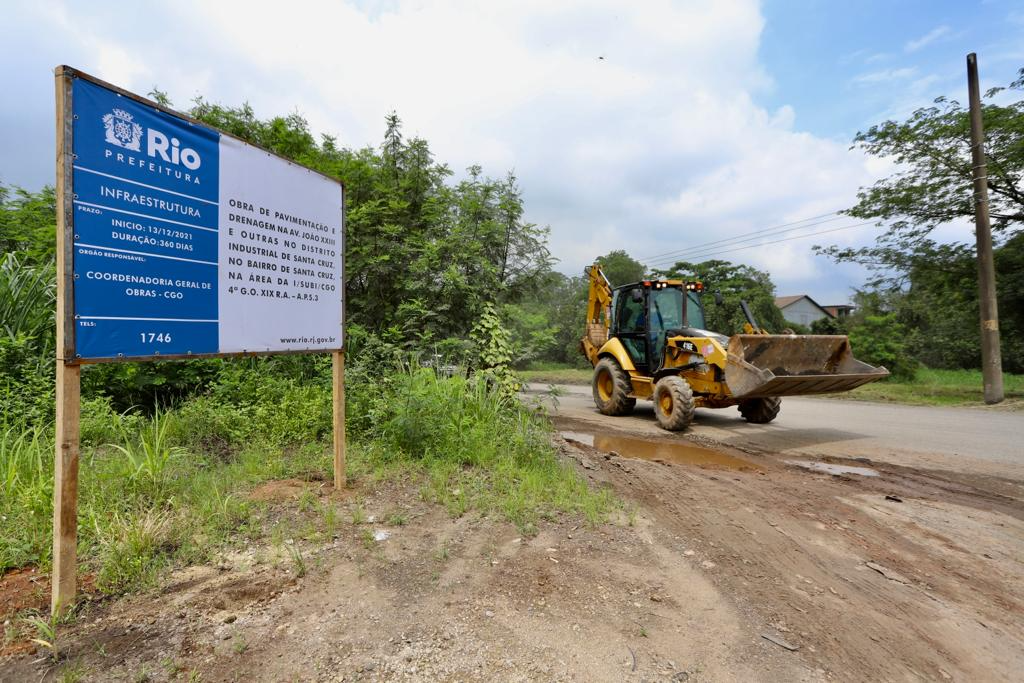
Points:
(646, 314)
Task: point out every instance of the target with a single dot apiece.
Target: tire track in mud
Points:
(790, 548)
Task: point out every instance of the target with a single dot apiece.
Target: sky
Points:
(661, 128)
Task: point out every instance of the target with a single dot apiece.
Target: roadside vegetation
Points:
(931, 387)
(171, 451)
(169, 486)
(556, 373)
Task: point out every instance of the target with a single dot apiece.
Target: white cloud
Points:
(659, 145)
(885, 76)
(926, 39)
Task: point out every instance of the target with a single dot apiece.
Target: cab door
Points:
(631, 325)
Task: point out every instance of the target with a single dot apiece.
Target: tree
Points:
(933, 185)
(28, 223)
(736, 284)
(931, 287)
(423, 257)
(620, 268)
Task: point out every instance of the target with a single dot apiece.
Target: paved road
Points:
(981, 440)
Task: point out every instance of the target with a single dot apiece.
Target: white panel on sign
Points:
(280, 280)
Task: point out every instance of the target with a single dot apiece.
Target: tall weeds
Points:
(27, 299)
(26, 490)
(481, 448)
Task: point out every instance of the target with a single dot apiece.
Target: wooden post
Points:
(65, 463)
(65, 487)
(338, 366)
(991, 358)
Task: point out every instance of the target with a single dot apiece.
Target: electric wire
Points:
(758, 232)
(714, 246)
(740, 239)
(713, 253)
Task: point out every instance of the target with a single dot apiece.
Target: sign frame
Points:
(69, 364)
(65, 75)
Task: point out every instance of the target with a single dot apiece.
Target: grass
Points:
(485, 452)
(144, 504)
(173, 489)
(938, 388)
(555, 373)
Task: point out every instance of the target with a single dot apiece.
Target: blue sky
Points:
(703, 121)
(844, 66)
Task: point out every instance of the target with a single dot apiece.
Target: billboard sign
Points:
(190, 242)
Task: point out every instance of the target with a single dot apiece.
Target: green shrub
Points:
(149, 385)
(26, 491)
(131, 550)
(881, 340)
(482, 450)
(828, 326)
(26, 383)
(205, 426)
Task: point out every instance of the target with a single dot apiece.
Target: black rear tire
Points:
(760, 410)
(673, 403)
(612, 387)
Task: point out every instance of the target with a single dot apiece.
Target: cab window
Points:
(630, 317)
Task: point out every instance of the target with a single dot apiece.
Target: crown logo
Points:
(122, 130)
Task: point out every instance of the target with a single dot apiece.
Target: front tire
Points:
(612, 387)
(760, 410)
(673, 403)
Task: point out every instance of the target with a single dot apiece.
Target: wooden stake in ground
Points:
(65, 488)
(338, 392)
(65, 464)
(991, 360)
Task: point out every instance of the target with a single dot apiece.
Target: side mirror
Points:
(718, 297)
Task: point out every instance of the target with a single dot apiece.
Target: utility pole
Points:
(991, 360)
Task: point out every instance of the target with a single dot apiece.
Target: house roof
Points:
(784, 302)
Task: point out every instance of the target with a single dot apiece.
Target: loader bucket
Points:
(762, 365)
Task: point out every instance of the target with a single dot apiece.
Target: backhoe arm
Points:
(599, 304)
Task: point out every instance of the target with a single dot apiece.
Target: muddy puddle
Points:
(669, 451)
(830, 468)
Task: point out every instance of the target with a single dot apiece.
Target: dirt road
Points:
(776, 558)
(890, 549)
(958, 439)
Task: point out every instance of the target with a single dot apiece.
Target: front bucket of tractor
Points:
(762, 365)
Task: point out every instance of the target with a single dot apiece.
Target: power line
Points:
(749, 236)
(713, 246)
(784, 239)
(659, 257)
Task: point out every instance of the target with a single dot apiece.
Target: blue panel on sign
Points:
(115, 284)
(146, 192)
(120, 137)
(96, 338)
(117, 230)
(143, 202)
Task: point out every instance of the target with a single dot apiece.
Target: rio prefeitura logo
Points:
(122, 130)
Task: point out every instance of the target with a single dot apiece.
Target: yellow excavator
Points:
(647, 340)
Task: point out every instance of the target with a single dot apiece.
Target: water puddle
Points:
(668, 451)
(829, 468)
(581, 437)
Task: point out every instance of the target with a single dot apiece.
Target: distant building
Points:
(840, 311)
(801, 309)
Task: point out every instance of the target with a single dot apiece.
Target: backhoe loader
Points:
(647, 340)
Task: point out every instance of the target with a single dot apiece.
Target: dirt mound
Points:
(281, 490)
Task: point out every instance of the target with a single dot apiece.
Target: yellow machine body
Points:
(724, 371)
